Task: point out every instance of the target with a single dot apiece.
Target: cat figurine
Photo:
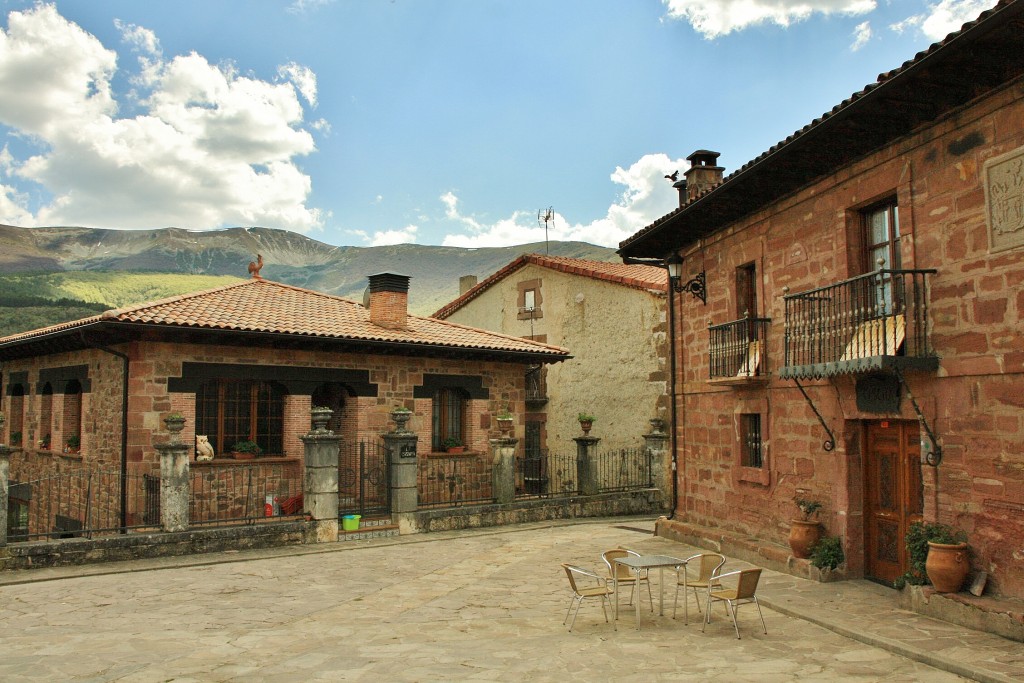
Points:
(204, 449)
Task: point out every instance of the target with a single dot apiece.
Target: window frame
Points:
(448, 405)
(263, 420)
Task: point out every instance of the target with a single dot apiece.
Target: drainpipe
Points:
(672, 398)
(124, 425)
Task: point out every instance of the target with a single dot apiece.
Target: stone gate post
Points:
(401, 444)
(5, 476)
(661, 465)
(175, 482)
(503, 469)
(320, 480)
(586, 465)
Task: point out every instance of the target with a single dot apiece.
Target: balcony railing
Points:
(869, 322)
(739, 351)
(536, 385)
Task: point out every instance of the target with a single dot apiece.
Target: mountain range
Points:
(65, 263)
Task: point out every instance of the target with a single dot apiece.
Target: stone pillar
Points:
(320, 482)
(586, 466)
(5, 480)
(503, 469)
(175, 483)
(401, 443)
(661, 463)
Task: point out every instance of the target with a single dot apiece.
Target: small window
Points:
(750, 440)
(746, 291)
(882, 250)
(449, 417)
(45, 418)
(530, 299)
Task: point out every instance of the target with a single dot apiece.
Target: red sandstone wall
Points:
(973, 402)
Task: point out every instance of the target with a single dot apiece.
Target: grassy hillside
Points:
(29, 301)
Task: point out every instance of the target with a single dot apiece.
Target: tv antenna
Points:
(546, 216)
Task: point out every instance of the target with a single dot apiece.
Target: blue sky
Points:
(365, 122)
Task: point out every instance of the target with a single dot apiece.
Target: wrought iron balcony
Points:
(875, 321)
(536, 386)
(739, 351)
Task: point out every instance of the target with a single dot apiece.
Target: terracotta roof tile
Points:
(264, 306)
(634, 276)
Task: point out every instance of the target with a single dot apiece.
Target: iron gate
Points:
(363, 478)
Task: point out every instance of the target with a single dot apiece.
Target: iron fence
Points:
(364, 485)
(541, 474)
(82, 503)
(624, 469)
(244, 493)
(453, 481)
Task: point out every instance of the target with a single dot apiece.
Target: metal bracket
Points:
(934, 456)
(830, 443)
(697, 286)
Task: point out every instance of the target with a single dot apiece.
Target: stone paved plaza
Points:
(483, 605)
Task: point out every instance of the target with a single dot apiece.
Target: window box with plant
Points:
(44, 443)
(805, 531)
(73, 444)
(505, 420)
(453, 445)
(245, 450)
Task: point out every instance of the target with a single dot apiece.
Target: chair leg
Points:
(731, 608)
(707, 613)
(758, 605)
(578, 602)
(604, 607)
(571, 603)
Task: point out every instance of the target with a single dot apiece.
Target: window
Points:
(45, 417)
(229, 411)
(882, 250)
(449, 413)
(746, 291)
(71, 419)
(529, 300)
(750, 440)
(16, 419)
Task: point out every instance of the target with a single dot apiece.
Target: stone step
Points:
(370, 527)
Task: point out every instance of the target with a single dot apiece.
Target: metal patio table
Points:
(639, 564)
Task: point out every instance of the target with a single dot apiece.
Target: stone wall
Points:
(973, 402)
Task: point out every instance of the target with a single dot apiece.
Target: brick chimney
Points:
(703, 173)
(389, 300)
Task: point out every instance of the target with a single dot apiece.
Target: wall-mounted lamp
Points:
(695, 285)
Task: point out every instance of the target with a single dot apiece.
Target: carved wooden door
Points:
(893, 493)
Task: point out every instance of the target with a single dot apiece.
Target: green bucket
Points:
(350, 522)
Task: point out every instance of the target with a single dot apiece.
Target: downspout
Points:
(672, 401)
(124, 425)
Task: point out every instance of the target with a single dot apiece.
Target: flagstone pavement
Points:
(476, 605)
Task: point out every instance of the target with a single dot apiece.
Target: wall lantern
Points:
(695, 285)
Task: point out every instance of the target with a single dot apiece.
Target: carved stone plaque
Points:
(878, 394)
(1004, 200)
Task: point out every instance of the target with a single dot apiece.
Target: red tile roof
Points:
(263, 306)
(649, 278)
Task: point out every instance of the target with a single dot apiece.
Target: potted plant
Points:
(505, 419)
(453, 445)
(828, 553)
(937, 553)
(73, 444)
(400, 415)
(245, 450)
(44, 443)
(15, 438)
(586, 421)
(804, 532)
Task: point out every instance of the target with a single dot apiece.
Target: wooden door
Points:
(894, 497)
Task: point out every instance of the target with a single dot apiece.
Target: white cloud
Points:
(406, 235)
(944, 18)
(306, 6)
(713, 18)
(647, 196)
(210, 148)
(140, 39)
(861, 35)
(303, 78)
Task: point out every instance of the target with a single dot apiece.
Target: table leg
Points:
(636, 584)
(615, 585)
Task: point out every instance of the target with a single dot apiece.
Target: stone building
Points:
(860, 343)
(247, 362)
(610, 316)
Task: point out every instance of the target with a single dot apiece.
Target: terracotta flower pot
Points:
(947, 566)
(802, 537)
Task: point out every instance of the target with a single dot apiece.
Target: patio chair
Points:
(624, 574)
(598, 589)
(744, 592)
(706, 566)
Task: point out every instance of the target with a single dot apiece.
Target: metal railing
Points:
(541, 474)
(364, 484)
(850, 325)
(625, 469)
(82, 503)
(738, 349)
(449, 481)
(241, 493)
